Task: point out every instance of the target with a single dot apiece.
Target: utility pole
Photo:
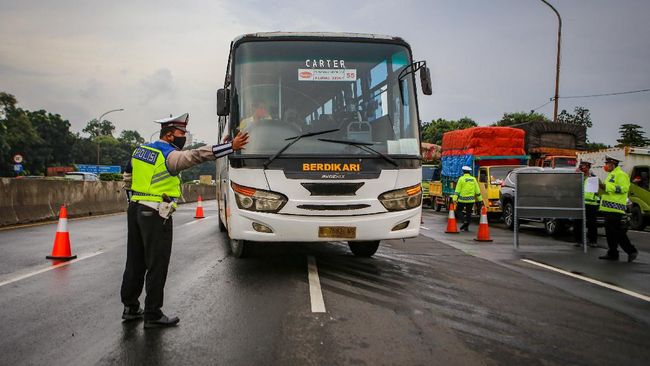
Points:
(557, 68)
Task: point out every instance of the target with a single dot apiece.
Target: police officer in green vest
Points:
(612, 204)
(155, 187)
(467, 193)
(592, 202)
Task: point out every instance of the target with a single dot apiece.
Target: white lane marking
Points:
(424, 227)
(22, 277)
(590, 280)
(315, 293)
(195, 221)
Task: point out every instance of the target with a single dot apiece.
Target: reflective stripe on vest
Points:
(612, 205)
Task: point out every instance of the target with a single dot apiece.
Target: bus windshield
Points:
(282, 89)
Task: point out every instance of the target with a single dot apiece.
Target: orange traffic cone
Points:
(483, 233)
(199, 210)
(452, 228)
(61, 249)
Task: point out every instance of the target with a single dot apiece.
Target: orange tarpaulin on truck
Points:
(484, 141)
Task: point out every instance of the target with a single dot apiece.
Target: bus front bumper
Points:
(299, 228)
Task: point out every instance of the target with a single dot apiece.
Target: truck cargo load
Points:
(481, 146)
(553, 144)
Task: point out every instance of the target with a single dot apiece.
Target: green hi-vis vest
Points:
(467, 190)
(150, 177)
(591, 198)
(617, 185)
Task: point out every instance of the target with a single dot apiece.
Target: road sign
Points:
(99, 169)
(18, 158)
(18, 168)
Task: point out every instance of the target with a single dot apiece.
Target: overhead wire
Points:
(592, 96)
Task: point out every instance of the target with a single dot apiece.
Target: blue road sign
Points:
(99, 169)
(18, 168)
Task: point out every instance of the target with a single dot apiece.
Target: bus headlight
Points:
(402, 199)
(253, 199)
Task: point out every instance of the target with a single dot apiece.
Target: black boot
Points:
(632, 256)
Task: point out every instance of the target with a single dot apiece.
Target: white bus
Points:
(334, 151)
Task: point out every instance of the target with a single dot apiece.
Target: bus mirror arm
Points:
(425, 77)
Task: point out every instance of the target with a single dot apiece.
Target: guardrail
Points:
(25, 200)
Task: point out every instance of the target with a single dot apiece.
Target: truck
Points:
(334, 148)
(552, 144)
(491, 152)
(430, 170)
(635, 161)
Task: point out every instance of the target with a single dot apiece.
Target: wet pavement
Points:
(435, 299)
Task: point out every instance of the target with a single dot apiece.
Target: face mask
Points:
(179, 142)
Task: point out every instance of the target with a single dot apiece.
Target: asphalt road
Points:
(436, 299)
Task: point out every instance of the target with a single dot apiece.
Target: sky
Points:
(487, 57)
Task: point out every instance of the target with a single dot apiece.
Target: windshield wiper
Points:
(365, 146)
(295, 139)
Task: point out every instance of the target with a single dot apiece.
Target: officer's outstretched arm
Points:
(178, 161)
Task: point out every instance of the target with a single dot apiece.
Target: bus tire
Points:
(364, 248)
(240, 248)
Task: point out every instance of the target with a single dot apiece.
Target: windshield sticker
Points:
(327, 74)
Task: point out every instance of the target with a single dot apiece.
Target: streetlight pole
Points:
(557, 68)
(99, 120)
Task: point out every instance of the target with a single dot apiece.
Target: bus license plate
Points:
(345, 232)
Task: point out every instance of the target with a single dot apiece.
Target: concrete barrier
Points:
(31, 200)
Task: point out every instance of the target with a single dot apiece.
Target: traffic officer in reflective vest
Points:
(467, 193)
(612, 204)
(592, 202)
(155, 187)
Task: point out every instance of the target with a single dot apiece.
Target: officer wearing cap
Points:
(612, 204)
(592, 202)
(155, 186)
(467, 193)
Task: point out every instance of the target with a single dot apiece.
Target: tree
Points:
(510, 119)
(20, 137)
(582, 117)
(96, 128)
(193, 173)
(432, 132)
(632, 135)
(593, 146)
(131, 137)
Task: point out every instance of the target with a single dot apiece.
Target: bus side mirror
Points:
(222, 102)
(425, 80)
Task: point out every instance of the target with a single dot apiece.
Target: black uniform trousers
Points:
(148, 248)
(467, 208)
(616, 234)
(591, 213)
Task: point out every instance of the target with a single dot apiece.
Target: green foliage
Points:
(432, 132)
(96, 128)
(110, 177)
(632, 135)
(582, 117)
(593, 146)
(510, 119)
(45, 140)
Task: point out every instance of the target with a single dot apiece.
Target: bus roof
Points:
(315, 35)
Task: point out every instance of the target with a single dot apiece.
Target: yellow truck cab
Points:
(489, 181)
